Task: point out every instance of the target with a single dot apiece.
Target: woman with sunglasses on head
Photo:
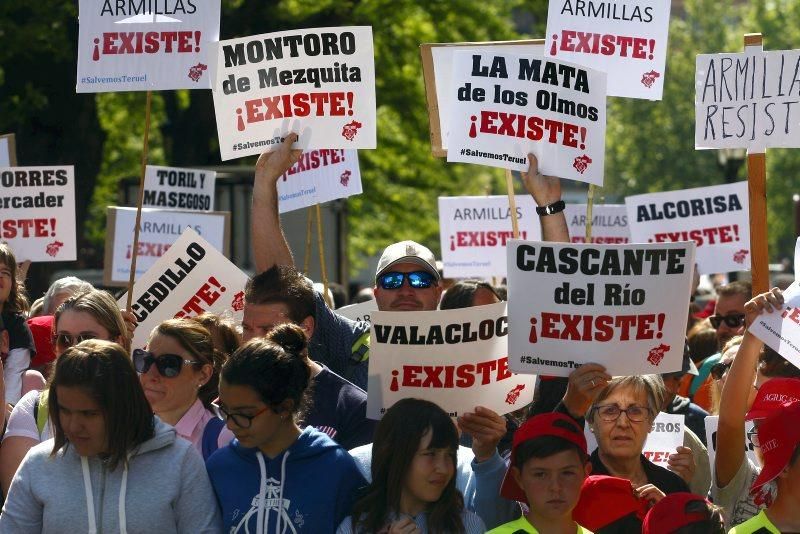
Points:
(275, 477)
(90, 315)
(179, 373)
(113, 466)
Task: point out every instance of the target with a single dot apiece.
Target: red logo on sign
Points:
(344, 179)
(657, 354)
(649, 78)
(582, 163)
(196, 72)
(53, 248)
(238, 301)
(350, 130)
(741, 255)
(513, 395)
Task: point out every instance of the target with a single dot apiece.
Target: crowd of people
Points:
(262, 427)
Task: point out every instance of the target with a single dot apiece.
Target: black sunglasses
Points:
(731, 321)
(168, 365)
(719, 368)
(417, 280)
(67, 340)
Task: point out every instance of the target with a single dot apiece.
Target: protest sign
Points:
(716, 218)
(455, 358)
(183, 189)
(663, 440)
(159, 229)
(38, 207)
(320, 176)
(146, 46)
(747, 100)
(626, 40)
(8, 151)
(797, 259)
(622, 306)
(609, 223)
(780, 330)
(437, 70)
(359, 312)
(712, 424)
(191, 278)
(473, 232)
(318, 83)
(506, 106)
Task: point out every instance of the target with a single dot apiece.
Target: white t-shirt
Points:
(22, 423)
(737, 503)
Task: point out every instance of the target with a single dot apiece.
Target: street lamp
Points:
(730, 160)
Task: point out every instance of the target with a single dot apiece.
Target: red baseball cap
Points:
(606, 499)
(42, 328)
(669, 514)
(547, 424)
(772, 395)
(778, 436)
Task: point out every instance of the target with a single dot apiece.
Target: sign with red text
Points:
(146, 46)
(609, 223)
(781, 330)
(359, 312)
(747, 100)
(318, 83)
(38, 212)
(191, 278)
(716, 218)
(159, 229)
(622, 306)
(627, 40)
(320, 176)
(506, 106)
(454, 358)
(473, 232)
(663, 440)
(183, 189)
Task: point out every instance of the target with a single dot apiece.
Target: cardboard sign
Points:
(609, 223)
(716, 218)
(320, 176)
(455, 358)
(318, 83)
(8, 151)
(663, 440)
(506, 106)
(473, 232)
(38, 212)
(627, 40)
(359, 312)
(437, 69)
(191, 278)
(159, 230)
(781, 331)
(747, 100)
(622, 306)
(183, 189)
(146, 46)
(712, 424)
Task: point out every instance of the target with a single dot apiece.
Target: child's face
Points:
(6, 280)
(553, 484)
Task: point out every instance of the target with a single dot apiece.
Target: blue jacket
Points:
(310, 487)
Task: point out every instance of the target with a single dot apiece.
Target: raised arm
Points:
(269, 244)
(546, 190)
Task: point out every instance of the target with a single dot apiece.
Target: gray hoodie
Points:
(164, 489)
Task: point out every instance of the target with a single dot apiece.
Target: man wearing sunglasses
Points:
(407, 278)
(728, 318)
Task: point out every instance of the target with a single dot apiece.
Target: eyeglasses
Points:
(719, 369)
(417, 280)
(731, 321)
(168, 365)
(611, 412)
(239, 419)
(753, 437)
(67, 340)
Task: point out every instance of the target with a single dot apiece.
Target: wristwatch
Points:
(550, 209)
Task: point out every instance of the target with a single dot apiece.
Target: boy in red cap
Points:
(779, 441)
(549, 463)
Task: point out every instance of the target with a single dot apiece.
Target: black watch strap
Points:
(550, 209)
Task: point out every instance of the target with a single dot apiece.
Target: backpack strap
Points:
(40, 412)
(211, 432)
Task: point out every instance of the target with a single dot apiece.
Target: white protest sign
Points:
(473, 232)
(797, 259)
(175, 188)
(506, 106)
(318, 83)
(712, 424)
(191, 278)
(627, 40)
(455, 358)
(663, 440)
(622, 306)
(716, 218)
(609, 223)
(747, 100)
(159, 229)
(320, 176)
(146, 46)
(781, 331)
(38, 212)
(359, 312)
(8, 151)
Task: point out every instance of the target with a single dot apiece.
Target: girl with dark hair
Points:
(135, 474)
(275, 477)
(413, 485)
(17, 358)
